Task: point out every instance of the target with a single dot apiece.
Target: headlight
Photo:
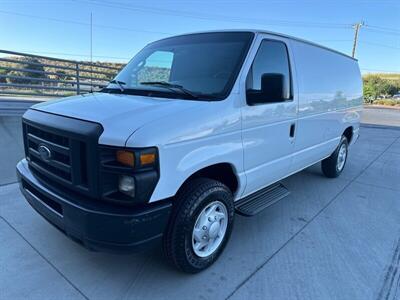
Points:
(128, 175)
(126, 185)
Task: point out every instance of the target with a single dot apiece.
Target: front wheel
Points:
(200, 225)
(334, 164)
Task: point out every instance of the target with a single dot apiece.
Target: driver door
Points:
(269, 124)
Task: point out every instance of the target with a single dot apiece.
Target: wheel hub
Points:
(209, 229)
(342, 155)
(214, 229)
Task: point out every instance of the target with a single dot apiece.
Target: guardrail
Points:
(24, 74)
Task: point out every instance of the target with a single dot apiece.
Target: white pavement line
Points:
(45, 259)
(306, 224)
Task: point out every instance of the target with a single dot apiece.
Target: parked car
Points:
(195, 128)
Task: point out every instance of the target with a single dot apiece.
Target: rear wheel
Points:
(334, 164)
(200, 225)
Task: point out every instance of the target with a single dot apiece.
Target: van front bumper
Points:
(97, 226)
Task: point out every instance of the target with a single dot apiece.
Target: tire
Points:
(333, 166)
(196, 197)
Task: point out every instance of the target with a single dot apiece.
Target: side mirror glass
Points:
(272, 89)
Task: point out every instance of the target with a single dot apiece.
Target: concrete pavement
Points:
(330, 239)
(386, 116)
(11, 147)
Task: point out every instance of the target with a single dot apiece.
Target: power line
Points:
(381, 31)
(379, 45)
(215, 17)
(119, 5)
(81, 23)
(197, 15)
(362, 42)
(137, 30)
(384, 28)
(324, 41)
(73, 54)
(377, 70)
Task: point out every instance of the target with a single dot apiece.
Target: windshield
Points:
(196, 66)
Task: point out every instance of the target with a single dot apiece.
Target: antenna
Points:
(91, 52)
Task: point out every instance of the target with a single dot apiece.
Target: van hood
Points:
(120, 115)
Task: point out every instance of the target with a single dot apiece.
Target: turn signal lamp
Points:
(147, 158)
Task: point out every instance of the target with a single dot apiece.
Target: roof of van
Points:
(273, 33)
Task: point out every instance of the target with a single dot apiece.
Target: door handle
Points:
(292, 130)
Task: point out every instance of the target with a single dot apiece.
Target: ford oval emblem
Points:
(44, 152)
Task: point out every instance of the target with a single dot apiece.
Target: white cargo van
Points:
(195, 128)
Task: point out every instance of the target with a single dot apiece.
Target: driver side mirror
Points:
(272, 90)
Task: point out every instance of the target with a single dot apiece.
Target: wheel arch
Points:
(223, 172)
(348, 133)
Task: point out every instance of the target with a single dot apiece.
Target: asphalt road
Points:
(329, 239)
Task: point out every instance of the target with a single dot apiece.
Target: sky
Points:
(61, 28)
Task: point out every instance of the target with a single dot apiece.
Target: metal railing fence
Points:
(23, 74)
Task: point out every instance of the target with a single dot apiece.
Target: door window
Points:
(269, 77)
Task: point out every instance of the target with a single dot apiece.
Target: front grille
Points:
(59, 165)
(62, 150)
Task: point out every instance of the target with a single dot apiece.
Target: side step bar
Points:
(260, 200)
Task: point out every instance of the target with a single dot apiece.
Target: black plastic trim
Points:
(100, 227)
(146, 177)
(79, 171)
(261, 199)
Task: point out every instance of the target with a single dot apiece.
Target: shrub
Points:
(388, 102)
(31, 64)
(3, 72)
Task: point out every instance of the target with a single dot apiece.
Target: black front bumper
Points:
(97, 226)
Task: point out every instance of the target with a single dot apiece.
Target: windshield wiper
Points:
(119, 83)
(172, 87)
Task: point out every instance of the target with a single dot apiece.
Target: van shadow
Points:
(149, 275)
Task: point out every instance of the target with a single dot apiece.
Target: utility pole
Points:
(356, 27)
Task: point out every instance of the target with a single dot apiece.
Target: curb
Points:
(382, 107)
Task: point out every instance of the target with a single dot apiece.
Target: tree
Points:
(369, 93)
(375, 86)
